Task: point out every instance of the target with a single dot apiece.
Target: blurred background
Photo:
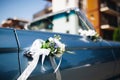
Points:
(103, 14)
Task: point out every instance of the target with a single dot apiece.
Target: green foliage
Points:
(54, 45)
(116, 34)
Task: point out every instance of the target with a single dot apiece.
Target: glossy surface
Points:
(91, 60)
(9, 63)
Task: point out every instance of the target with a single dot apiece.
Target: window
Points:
(42, 24)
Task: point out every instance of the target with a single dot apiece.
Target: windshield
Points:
(85, 20)
(70, 21)
(41, 24)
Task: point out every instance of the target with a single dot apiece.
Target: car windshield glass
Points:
(85, 20)
(41, 24)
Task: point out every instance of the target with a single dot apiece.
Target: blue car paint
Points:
(9, 63)
(88, 58)
(87, 54)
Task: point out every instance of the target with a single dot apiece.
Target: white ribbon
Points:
(35, 52)
(55, 70)
(56, 67)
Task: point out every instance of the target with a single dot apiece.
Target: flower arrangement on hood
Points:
(54, 45)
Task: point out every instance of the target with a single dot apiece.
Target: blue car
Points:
(86, 56)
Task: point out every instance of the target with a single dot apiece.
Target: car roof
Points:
(51, 14)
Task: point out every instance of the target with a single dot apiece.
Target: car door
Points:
(83, 59)
(26, 39)
(9, 63)
(89, 61)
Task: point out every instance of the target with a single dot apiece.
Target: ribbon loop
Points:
(35, 52)
(39, 47)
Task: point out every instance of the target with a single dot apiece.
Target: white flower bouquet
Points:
(54, 45)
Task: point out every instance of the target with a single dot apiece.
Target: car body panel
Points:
(89, 58)
(9, 63)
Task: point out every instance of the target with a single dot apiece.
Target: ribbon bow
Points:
(34, 52)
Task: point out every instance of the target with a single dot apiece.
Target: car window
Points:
(42, 24)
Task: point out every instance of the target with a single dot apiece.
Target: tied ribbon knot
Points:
(34, 52)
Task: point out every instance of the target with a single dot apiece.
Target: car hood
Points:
(111, 43)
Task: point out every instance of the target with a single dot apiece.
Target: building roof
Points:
(14, 23)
